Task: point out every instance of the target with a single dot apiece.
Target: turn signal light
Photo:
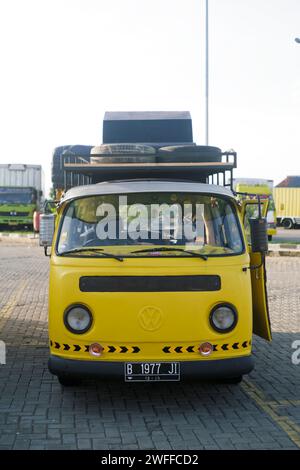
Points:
(205, 349)
(96, 349)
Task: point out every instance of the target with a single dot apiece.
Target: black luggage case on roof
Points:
(159, 127)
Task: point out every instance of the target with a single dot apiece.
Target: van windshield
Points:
(136, 224)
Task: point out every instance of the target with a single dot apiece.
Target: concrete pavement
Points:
(36, 413)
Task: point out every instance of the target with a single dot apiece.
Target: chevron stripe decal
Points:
(168, 349)
(216, 347)
(85, 348)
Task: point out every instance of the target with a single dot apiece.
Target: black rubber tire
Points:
(68, 381)
(123, 149)
(189, 153)
(143, 158)
(270, 238)
(288, 224)
(233, 380)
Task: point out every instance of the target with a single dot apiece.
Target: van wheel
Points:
(67, 381)
(233, 380)
(270, 238)
(288, 224)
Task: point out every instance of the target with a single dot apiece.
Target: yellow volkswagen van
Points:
(140, 292)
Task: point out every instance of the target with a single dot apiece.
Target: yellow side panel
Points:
(287, 201)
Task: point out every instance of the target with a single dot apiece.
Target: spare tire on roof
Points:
(123, 153)
(124, 159)
(123, 149)
(189, 153)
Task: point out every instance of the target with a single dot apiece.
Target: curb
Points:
(28, 238)
(278, 253)
(284, 249)
(284, 246)
(19, 235)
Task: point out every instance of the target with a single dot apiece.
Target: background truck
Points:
(263, 188)
(287, 200)
(21, 192)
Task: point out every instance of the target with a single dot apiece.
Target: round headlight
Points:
(78, 319)
(223, 318)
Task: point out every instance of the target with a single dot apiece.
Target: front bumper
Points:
(16, 221)
(203, 369)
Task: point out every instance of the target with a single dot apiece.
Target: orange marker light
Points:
(205, 349)
(96, 349)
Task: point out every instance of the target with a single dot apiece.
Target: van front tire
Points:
(233, 380)
(68, 381)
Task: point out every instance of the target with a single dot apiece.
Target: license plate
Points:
(152, 371)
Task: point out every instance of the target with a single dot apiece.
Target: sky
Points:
(65, 62)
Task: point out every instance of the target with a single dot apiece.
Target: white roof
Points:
(144, 186)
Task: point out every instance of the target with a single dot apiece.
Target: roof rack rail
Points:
(75, 168)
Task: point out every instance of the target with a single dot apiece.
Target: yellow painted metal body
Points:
(287, 202)
(147, 326)
(120, 318)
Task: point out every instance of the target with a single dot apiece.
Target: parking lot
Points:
(36, 413)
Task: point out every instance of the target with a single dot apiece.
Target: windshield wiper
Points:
(164, 248)
(97, 250)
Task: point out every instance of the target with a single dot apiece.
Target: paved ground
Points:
(36, 413)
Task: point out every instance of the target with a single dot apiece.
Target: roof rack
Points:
(220, 173)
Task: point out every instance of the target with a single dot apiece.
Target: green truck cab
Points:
(21, 193)
(17, 206)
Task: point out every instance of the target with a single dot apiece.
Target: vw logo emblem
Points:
(150, 318)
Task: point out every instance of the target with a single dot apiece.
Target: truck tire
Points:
(288, 224)
(123, 153)
(123, 149)
(189, 153)
(124, 159)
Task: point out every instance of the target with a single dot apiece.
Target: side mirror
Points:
(49, 206)
(47, 226)
(259, 235)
